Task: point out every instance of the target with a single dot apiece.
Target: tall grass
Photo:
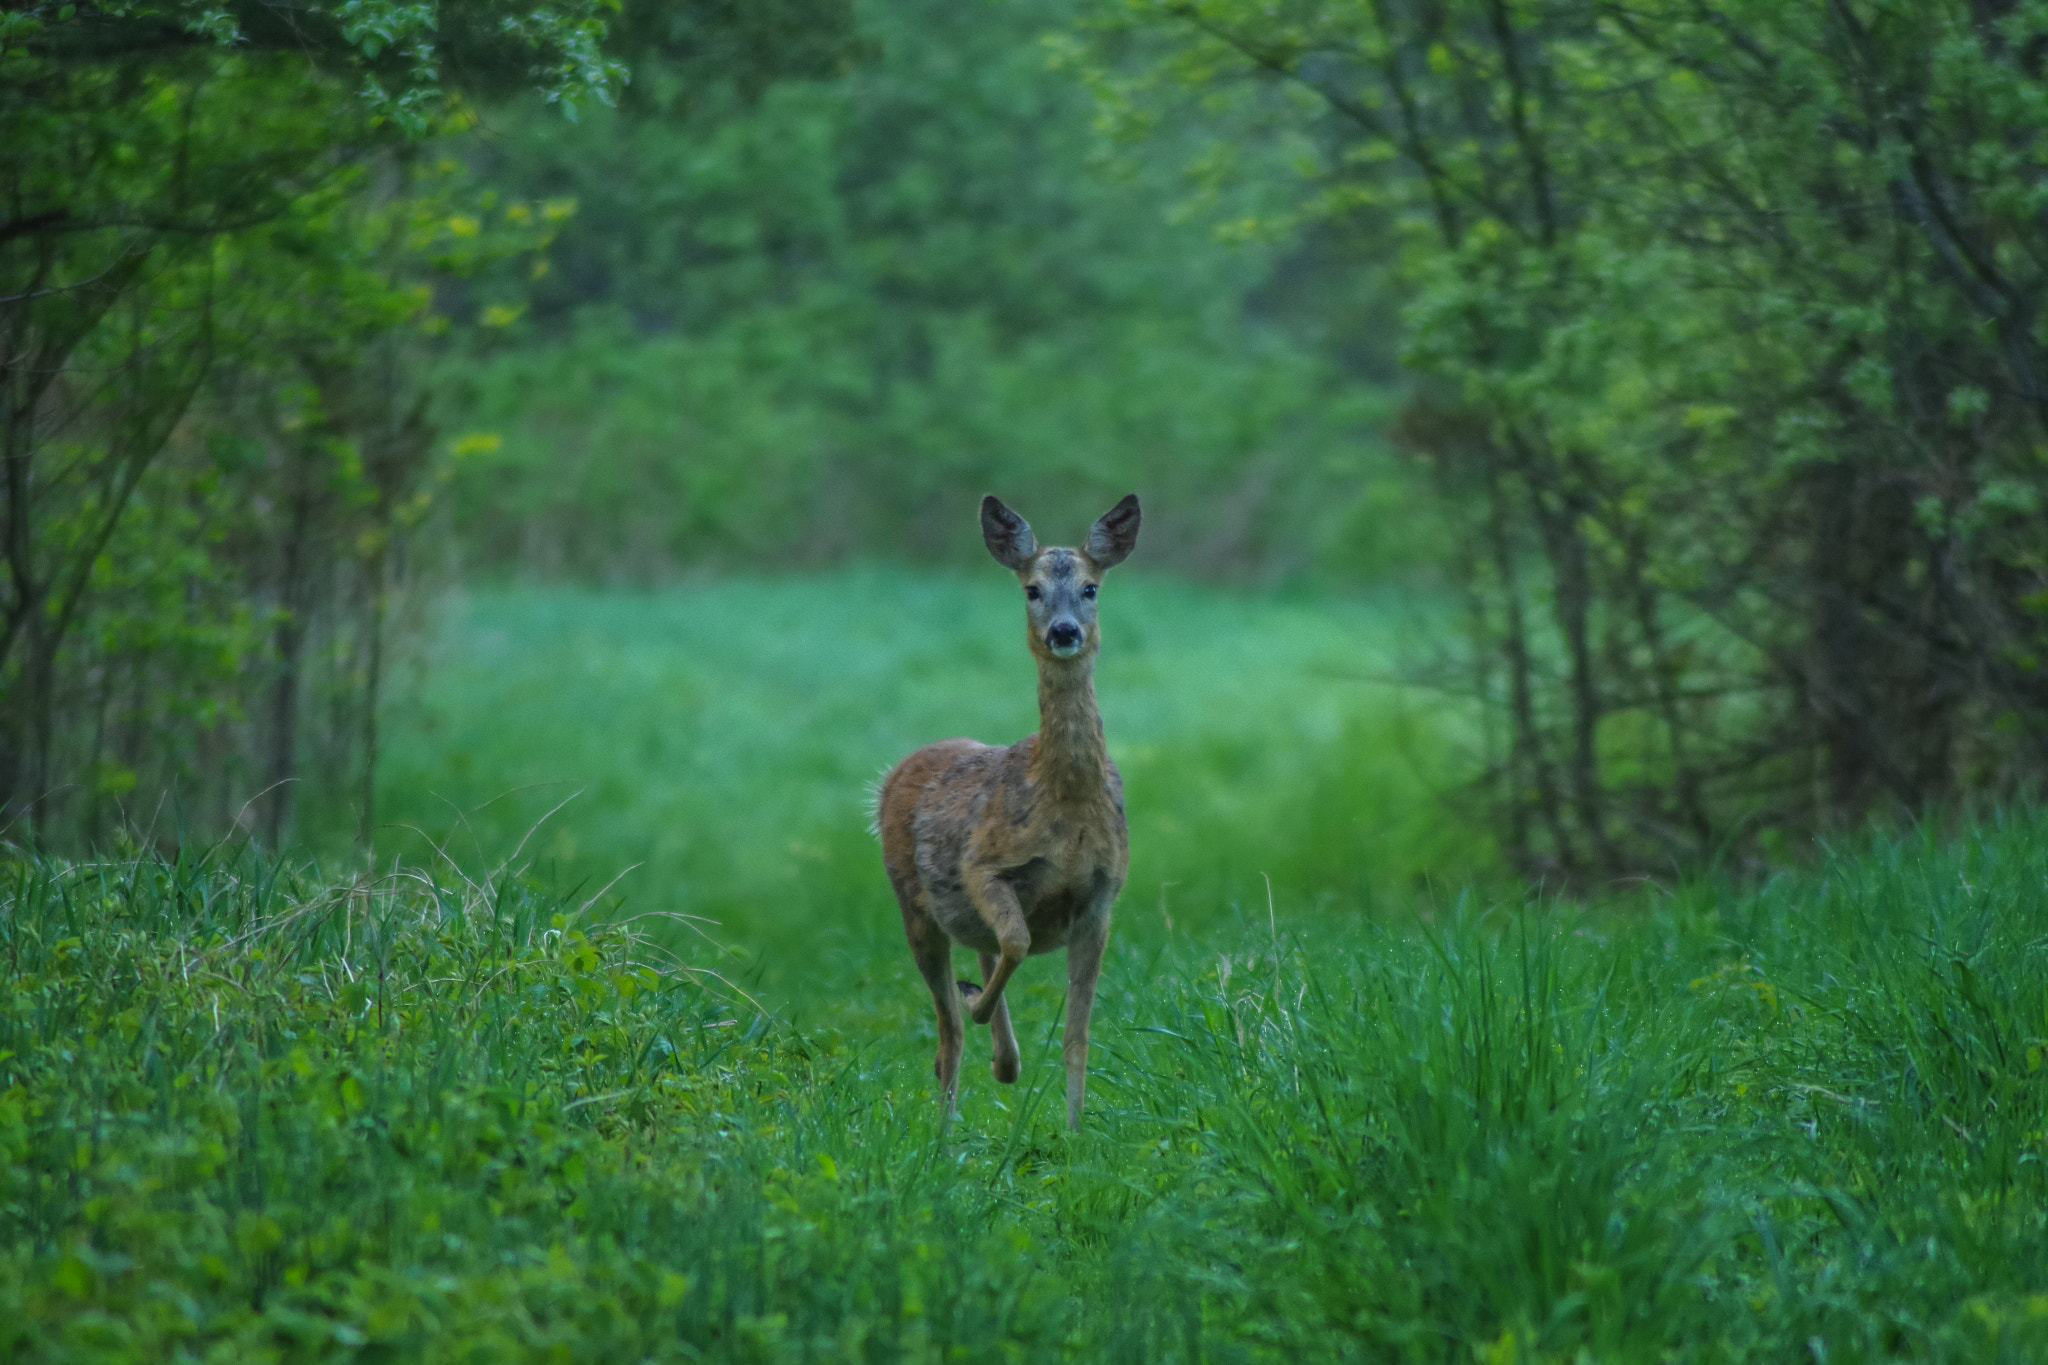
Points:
(251, 1114)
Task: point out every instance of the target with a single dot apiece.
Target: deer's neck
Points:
(1071, 762)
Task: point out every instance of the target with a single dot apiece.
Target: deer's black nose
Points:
(1064, 635)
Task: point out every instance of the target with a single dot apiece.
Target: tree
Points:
(817, 323)
(209, 214)
(1727, 326)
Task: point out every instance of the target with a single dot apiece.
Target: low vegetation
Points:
(252, 1113)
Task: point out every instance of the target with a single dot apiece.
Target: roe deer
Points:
(1021, 850)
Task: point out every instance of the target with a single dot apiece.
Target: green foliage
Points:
(1730, 323)
(247, 1111)
(408, 57)
(213, 580)
(818, 324)
(216, 259)
(189, 226)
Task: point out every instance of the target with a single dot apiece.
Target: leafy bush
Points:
(1729, 322)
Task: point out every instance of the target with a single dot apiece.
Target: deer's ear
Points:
(1114, 534)
(1007, 535)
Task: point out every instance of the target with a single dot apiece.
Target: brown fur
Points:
(1018, 851)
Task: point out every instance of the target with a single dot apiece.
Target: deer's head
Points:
(1060, 583)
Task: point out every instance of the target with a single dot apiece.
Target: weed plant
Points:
(248, 1113)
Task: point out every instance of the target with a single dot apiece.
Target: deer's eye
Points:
(1089, 592)
(1031, 591)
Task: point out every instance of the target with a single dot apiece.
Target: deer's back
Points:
(903, 792)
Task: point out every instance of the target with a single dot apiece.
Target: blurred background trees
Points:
(1698, 346)
(814, 325)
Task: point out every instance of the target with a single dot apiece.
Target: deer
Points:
(1018, 851)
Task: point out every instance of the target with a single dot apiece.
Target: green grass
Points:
(251, 1112)
(252, 1116)
(720, 739)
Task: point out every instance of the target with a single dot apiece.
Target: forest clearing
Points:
(488, 489)
(458, 1110)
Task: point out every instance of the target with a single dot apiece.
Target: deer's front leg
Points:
(997, 904)
(1084, 964)
(1006, 1061)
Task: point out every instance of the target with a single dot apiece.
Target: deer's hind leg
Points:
(1007, 1063)
(1084, 965)
(933, 953)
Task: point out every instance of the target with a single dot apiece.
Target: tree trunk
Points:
(281, 773)
(373, 686)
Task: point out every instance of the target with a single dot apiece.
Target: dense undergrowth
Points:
(250, 1113)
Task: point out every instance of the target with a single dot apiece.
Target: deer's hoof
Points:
(1005, 1069)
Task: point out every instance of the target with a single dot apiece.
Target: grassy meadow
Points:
(720, 738)
(466, 1107)
(250, 1116)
